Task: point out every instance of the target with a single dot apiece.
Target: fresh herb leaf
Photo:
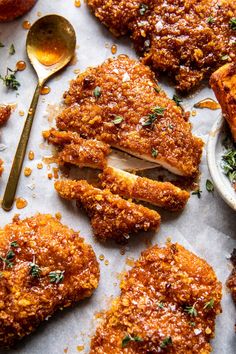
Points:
(157, 89)
(232, 23)
(128, 338)
(1, 45)
(193, 324)
(14, 244)
(143, 8)
(177, 100)
(167, 341)
(57, 276)
(209, 304)
(154, 152)
(160, 305)
(12, 49)
(117, 120)
(10, 80)
(10, 255)
(209, 186)
(97, 92)
(224, 57)
(8, 263)
(191, 310)
(210, 20)
(197, 192)
(156, 111)
(171, 126)
(229, 164)
(34, 270)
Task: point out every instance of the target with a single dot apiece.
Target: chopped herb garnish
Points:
(154, 152)
(160, 305)
(97, 92)
(12, 49)
(1, 45)
(229, 164)
(8, 263)
(193, 324)
(209, 186)
(177, 100)
(10, 80)
(167, 341)
(191, 310)
(197, 192)
(14, 244)
(209, 304)
(34, 270)
(156, 111)
(57, 276)
(10, 255)
(142, 9)
(157, 89)
(232, 23)
(128, 338)
(224, 57)
(117, 120)
(171, 126)
(210, 19)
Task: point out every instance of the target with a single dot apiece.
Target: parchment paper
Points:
(207, 225)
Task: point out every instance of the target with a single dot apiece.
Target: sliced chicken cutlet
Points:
(168, 303)
(161, 194)
(186, 39)
(231, 283)
(118, 103)
(223, 83)
(111, 216)
(44, 267)
(77, 151)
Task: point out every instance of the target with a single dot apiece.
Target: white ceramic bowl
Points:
(215, 150)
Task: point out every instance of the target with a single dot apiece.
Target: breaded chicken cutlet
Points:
(44, 266)
(5, 112)
(120, 104)
(77, 151)
(223, 83)
(111, 216)
(161, 194)
(188, 40)
(168, 303)
(231, 283)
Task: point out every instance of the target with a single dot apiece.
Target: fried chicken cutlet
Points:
(168, 303)
(188, 40)
(231, 283)
(44, 266)
(128, 185)
(118, 103)
(111, 216)
(223, 83)
(5, 112)
(77, 151)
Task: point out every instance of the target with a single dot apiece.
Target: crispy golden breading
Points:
(168, 303)
(31, 251)
(77, 151)
(10, 9)
(223, 82)
(5, 112)
(129, 114)
(231, 283)
(186, 39)
(111, 216)
(162, 194)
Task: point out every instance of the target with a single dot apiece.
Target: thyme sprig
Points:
(9, 80)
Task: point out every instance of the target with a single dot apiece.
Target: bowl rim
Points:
(215, 173)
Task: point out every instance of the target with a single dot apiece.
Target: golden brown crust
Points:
(77, 151)
(10, 9)
(152, 306)
(5, 112)
(162, 194)
(128, 92)
(25, 301)
(223, 82)
(186, 39)
(231, 283)
(111, 216)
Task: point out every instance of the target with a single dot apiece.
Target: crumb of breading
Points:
(5, 112)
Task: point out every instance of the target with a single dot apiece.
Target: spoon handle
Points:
(11, 187)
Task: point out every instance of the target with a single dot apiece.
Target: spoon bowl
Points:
(50, 46)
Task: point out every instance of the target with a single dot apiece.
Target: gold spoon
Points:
(50, 46)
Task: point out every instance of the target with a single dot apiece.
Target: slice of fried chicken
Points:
(44, 266)
(231, 283)
(161, 194)
(168, 303)
(223, 83)
(186, 39)
(5, 112)
(78, 151)
(117, 103)
(111, 216)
